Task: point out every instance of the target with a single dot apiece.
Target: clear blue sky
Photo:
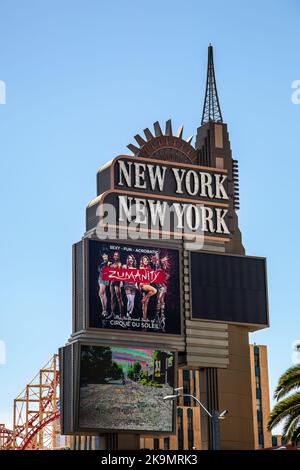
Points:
(83, 77)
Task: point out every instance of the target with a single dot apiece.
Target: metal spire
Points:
(211, 108)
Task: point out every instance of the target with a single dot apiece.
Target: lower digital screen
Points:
(122, 389)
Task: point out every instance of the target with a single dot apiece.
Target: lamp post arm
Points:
(199, 403)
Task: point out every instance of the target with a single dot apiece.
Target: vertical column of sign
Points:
(186, 287)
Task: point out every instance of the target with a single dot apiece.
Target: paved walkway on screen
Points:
(128, 406)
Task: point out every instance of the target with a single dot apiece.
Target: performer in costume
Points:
(148, 289)
(103, 284)
(115, 287)
(163, 264)
(130, 287)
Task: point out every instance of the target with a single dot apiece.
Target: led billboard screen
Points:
(133, 287)
(229, 288)
(122, 389)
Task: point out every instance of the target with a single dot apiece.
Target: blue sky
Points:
(82, 78)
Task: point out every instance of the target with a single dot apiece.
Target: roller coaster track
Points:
(36, 413)
(41, 424)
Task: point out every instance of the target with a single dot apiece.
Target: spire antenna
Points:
(211, 107)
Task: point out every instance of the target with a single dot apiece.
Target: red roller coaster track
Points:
(36, 412)
(40, 425)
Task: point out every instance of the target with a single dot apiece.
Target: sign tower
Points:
(161, 283)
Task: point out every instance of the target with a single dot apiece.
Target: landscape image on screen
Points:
(134, 288)
(122, 389)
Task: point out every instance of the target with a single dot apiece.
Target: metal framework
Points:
(36, 413)
(211, 107)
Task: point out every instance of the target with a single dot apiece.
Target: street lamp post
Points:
(215, 416)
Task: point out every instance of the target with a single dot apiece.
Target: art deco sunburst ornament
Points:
(164, 146)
